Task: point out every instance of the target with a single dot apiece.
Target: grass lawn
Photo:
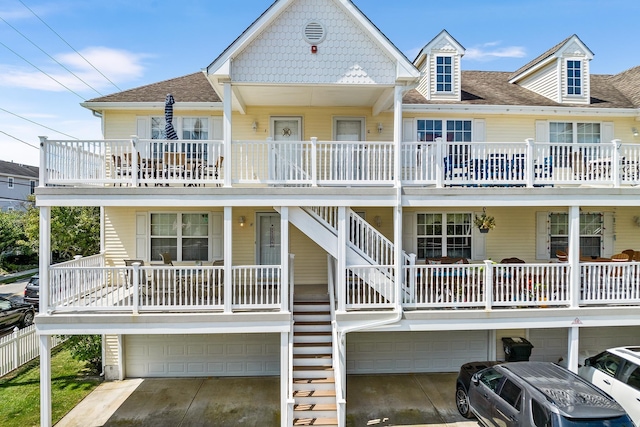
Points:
(20, 390)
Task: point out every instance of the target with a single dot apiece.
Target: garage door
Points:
(149, 356)
(551, 344)
(409, 352)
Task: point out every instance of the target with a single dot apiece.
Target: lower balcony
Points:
(88, 285)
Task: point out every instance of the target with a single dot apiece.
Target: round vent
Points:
(314, 32)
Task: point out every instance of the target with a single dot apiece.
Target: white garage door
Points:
(551, 344)
(411, 352)
(148, 356)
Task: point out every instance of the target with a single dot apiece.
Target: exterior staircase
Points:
(314, 389)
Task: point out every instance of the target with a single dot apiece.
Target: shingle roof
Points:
(16, 169)
(628, 82)
(493, 88)
(540, 58)
(190, 88)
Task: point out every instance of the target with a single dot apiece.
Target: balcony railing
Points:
(88, 285)
(137, 162)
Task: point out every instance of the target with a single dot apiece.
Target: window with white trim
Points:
(591, 227)
(572, 133)
(574, 77)
(190, 128)
(444, 74)
(186, 236)
(444, 234)
(11, 182)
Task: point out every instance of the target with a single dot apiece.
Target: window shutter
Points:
(607, 134)
(479, 130)
(408, 132)
(608, 234)
(141, 236)
(409, 239)
(216, 128)
(542, 131)
(217, 236)
(542, 235)
(478, 241)
(143, 127)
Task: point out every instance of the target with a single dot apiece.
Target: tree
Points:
(75, 230)
(14, 248)
(87, 348)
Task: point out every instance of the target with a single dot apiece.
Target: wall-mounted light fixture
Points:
(254, 126)
(380, 127)
(378, 221)
(634, 131)
(242, 220)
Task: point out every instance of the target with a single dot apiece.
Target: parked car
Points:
(32, 291)
(15, 313)
(617, 372)
(536, 394)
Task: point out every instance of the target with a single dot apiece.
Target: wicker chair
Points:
(621, 257)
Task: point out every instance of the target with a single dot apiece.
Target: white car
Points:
(617, 372)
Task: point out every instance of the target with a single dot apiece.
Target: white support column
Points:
(397, 133)
(530, 165)
(341, 265)
(228, 261)
(492, 353)
(573, 347)
(45, 257)
(45, 381)
(121, 356)
(42, 175)
(397, 246)
(227, 134)
(284, 257)
(574, 254)
(284, 380)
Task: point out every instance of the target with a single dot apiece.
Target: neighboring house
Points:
(17, 182)
(317, 164)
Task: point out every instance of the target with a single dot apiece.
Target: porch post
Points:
(284, 380)
(284, 257)
(228, 261)
(530, 165)
(45, 381)
(341, 265)
(397, 134)
(227, 134)
(574, 255)
(615, 163)
(42, 175)
(397, 248)
(573, 348)
(45, 254)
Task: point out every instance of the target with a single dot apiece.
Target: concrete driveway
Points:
(373, 400)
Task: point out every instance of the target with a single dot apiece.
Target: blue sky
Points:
(138, 42)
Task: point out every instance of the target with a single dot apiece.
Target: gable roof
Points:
(546, 55)
(19, 170)
(190, 88)
(444, 34)
(628, 82)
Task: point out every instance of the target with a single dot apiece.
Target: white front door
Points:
(286, 128)
(349, 129)
(349, 159)
(268, 239)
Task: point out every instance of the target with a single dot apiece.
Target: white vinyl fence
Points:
(20, 347)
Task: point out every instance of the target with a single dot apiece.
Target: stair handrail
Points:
(338, 358)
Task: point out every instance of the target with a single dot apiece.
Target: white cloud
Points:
(491, 50)
(118, 65)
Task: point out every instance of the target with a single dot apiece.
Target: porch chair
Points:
(621, 257)
(122, 166)
(213, 171)
(562, 256)
(629, 252)
(166, 258)
(174, 164)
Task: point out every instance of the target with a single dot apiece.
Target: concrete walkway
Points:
(373, 400)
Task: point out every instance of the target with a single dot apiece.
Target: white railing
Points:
(370, 286)
(606, 283)
(21, 346)
(309, 163)
(530, 285)
(337, 354)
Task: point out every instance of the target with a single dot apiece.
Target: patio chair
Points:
(629, 252)
(174, 164)
(562, 256)
(122, 166)
(166, 258)
(621, 257)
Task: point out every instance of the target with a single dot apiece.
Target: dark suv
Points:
(32, 291)
(537, 394)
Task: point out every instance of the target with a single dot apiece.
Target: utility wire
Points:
(19, 140)
(56, 61)
(34, 66)
(60, 37)
(36, 123)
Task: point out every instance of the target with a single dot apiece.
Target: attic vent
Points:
(314, 32)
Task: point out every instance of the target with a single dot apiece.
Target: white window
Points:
(444, 74)
(574, 78)
(32, 185)
(186, 236)
(591, 233)
(11, 182)
(189, 128)
(444, 234)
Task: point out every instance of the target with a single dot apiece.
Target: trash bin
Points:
(516, 349)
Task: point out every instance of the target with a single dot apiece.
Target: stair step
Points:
(315, 407)
(313, 356)
(327, 422)
(314, 381)
(327, 367)
(314, 393)
(311, 333)
(313, 323)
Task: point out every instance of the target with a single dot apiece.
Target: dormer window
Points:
(444, 74)
(574, 78)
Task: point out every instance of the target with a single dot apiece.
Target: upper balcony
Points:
(438, 164)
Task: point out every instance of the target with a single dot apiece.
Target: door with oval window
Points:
(288, 151)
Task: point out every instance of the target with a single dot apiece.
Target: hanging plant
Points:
(484, 222)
